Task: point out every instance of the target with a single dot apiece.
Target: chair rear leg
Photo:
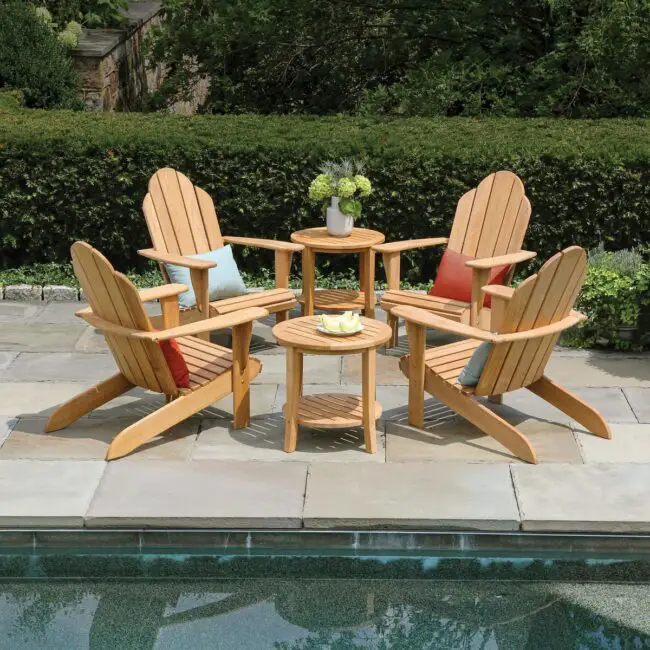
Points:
(167, 416)
(573, 406)
(87, 401)
(393, 323)
(482, 417)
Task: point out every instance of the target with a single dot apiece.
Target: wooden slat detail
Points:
(205, 363)
(441, 362)
(547, 300)
(302, 334)
(337, 299)
(461, 221)
(319, 238)
(496, 219)
(572, 286)
(450, 350)
(513, 222)
(153, 224)
(125, 317)
(477, 215)
(170, 185)
(332, 411)
(539, 311)
(519, 228)
(273, 299)
(453, 309)
(510, 323)
(210, 218)
(163, 213)
(93, 285)
(192, 213)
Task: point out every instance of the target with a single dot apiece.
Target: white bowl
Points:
(322, 330)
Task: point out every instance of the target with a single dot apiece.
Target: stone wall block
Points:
(58, 293)
(23, 292)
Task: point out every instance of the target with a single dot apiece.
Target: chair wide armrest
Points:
(271, 244)
(501, 260)
(159, 293)
(428, 319)
(179, 260)
(409, 244)
(499, 291)
(208, 325)
(572, 319)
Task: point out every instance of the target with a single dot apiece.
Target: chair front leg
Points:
(171, 316)
(480, 278)
(282, 271)
(392, 267)
(241, 341)
(200, 285)
(417, 345)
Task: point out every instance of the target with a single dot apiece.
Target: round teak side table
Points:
(330, 410)
(317, 240)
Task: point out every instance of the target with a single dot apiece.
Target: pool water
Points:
(322, 614)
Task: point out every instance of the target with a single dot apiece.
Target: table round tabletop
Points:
(301, 334)
(320, 239)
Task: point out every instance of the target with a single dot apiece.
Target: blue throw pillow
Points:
(224, 280)
(472, 371)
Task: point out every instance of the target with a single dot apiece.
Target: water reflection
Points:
(323, 614)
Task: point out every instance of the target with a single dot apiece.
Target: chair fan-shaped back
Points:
(113, 298)
(181, 218)
(542, 299)
(492, 218)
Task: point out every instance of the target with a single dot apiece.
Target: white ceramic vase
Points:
(338, 224)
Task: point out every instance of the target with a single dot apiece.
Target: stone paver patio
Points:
(202, 474)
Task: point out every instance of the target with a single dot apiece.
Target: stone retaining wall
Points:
(113, 70)
(110, 62)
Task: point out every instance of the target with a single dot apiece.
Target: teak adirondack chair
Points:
(490, 225)
(526, 323)
(182, 220)
(116, 308)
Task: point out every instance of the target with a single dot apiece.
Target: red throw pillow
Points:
(454, 279)
(176, 362)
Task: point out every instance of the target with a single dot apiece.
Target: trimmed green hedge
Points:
(67, 176)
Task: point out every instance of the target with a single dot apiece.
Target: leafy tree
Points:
(577, 58)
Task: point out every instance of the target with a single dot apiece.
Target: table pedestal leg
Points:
(368, 380)
(367, 281)
(308, 262)
(294, 390)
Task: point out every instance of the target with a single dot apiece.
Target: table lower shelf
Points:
(337, 299)
(332, 411)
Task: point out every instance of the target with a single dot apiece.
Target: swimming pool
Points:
(197, 598)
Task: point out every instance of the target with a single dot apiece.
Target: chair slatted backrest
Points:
(181, 218)
(491, 219)
(114, 298)
(542, 299)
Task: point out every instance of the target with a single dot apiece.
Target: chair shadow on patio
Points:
(263, 440)
(447, 436)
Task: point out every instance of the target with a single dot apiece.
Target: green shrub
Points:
(92, 13)
(615, 297)
(71, 175)
(32, 59)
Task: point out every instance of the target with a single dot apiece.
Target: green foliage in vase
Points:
(343, 179)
